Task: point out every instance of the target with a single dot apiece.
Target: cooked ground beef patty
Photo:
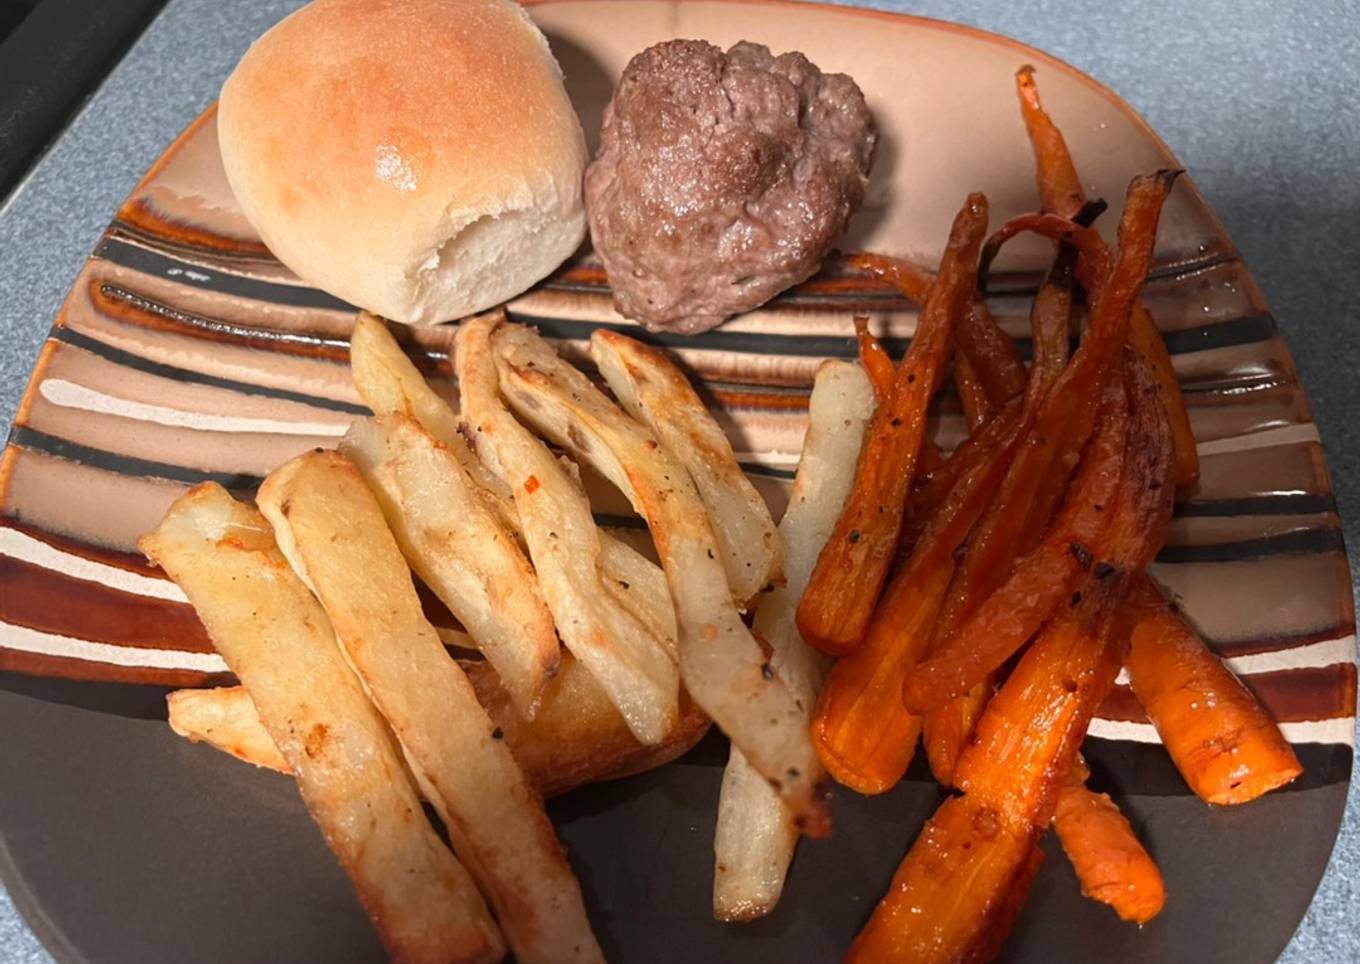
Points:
(722, 179)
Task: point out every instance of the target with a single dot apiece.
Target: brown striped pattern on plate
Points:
(184, 352)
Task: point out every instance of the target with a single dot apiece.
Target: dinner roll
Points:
(418, 158)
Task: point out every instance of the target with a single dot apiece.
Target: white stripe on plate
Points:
(49, 644)
(70, 395)
(1284, 435)
(1309, 731)
(1313, 656)
(20, 545)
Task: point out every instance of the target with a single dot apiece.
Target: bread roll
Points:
(418, 158)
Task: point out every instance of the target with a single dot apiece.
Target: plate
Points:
(184, 352)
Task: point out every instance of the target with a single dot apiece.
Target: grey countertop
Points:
(1257, 97)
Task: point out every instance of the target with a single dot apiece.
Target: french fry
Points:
(756, 834)
(459, 548)
(863, 733)
(625, 653)
(853, 566)
(653, 390)
(1221, 739)
(577, 737)
(873, 358)
(277, 640)
(331, 529)
(953, 890)
(225, 718)
(723, 666)
(1111, 864)
(1061, 192)
(390, 384)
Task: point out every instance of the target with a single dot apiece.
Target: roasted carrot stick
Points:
(863, 734)
(1060, 192)
(1221, 739)
(952, 890)
(956, 882)
(1059, 431)
(977, 406)
(1110, 862)
(873, 358)
(934, 483)
(911, 281)
(854, 563)
(1039, 584)
(990, 352)
(946, 729)
(1027, 740)
(1000, 922)
(1059, 187)
(1050, 321)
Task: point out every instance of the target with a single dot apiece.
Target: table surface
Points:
(1257, 98)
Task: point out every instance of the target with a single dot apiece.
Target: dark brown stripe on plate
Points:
(1291, 695)
(52, 602)
(89, 673)
(1304, 542)
(127, 359)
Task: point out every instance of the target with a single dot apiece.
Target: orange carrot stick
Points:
(1110, 862)
(1027, 740)
(958, 879)
(853, 565)
(946, 729)
(977, 407)
(1040, 582)
(1221, 739)
(863, 734)
(1060, 429)
(873, 358)
(952, 889)
(1059, 187)
(1060, 192)
(990, 351)
(991, 354)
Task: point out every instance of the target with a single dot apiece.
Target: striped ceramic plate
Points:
(185, 352)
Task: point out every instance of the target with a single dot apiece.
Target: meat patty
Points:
(722, 179)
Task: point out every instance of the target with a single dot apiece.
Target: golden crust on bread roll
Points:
(418, 158)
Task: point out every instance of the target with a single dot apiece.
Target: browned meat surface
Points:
(722, 179)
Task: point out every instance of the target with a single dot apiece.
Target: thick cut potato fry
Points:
(576, 737)
(1221, 739)
(838, 604)
(390, 384)
(225, 718)
(654, 391)
(625, 650)
(339, 543)
(277, 640)
(459, 548)
(723, 666)
(756, 832)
